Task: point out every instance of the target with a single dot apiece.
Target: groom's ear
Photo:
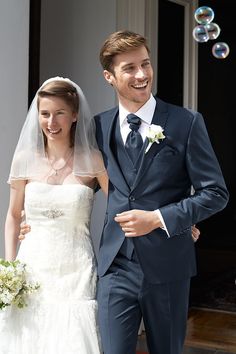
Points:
(108, 76)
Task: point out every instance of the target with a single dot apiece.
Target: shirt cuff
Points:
(162, 221)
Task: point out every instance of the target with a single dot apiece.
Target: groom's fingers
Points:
(129, 215)
(131, 234)
(127, 228)
(137, 222)
(24, 229)
(195, 233)
(123, 217)
(127, 221)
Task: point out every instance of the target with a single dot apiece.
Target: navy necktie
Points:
(134, 141)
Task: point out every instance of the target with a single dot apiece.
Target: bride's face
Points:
(56, 118)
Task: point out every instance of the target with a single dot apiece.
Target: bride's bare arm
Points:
(103, 182)
(13, 219)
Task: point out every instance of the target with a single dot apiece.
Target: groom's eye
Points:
(129, 68)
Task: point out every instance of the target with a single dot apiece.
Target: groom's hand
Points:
(138, 222)
(24, 229)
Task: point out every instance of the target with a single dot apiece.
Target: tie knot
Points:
(134, 121)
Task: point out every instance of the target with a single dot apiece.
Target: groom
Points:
(147, 257)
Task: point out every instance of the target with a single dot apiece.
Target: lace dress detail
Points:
(61, 315)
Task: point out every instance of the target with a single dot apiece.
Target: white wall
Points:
(14, 34)
(72, 33)
(70, 42)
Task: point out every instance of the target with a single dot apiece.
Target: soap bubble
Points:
(200, 34)
(213, 30)
(220, 50)
(204, 15)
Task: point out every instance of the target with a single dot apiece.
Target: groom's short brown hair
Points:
(120, 42)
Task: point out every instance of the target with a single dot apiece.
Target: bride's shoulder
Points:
(25, 164)
(26, 157)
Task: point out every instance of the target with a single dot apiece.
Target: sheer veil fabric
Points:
(30, 160)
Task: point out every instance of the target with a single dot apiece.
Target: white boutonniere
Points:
(155, 133)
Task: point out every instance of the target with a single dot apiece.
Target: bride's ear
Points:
(75, 117)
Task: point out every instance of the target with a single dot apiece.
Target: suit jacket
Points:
(167, 171)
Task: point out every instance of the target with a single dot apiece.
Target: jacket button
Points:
(132, 198)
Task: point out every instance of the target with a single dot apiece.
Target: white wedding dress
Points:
(61, 316)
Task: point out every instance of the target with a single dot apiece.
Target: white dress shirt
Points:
(145, 113)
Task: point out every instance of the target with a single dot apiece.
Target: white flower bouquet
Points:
(14, 286)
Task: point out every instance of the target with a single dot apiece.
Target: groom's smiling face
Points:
(132, 78)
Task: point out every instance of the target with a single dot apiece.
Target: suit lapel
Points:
(159, 118)
(114, 171)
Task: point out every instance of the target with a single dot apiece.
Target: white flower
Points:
(14, 285)
(155, 133)
(7, 297)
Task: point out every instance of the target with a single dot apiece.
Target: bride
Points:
(55, 170)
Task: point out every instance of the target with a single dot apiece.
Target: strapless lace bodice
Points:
(69, 204)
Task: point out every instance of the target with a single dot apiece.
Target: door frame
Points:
(142, 16)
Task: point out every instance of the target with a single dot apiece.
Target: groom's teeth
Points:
(141, 85)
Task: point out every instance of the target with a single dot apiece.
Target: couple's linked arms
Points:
(134, 223)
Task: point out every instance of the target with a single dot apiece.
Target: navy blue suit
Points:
(161, 180)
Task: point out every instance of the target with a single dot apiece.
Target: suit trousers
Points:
(124, 297)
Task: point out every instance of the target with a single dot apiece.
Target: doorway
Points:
(214, 286)
(216, 251)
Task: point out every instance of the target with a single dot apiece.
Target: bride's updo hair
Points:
(68, 93)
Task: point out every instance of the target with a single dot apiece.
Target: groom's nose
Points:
(140, 74)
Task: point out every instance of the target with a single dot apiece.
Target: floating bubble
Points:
(200, 34)
(204, 15)
(220, 50)
(213, 30)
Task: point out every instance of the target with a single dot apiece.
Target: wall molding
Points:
(130, 14)
(142, 16)
(190, 79)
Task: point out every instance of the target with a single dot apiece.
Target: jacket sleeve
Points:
(210, 194)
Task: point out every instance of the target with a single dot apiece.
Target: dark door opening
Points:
(170, 52)
(214, 286)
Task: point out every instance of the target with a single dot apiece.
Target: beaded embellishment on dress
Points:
(52, 213)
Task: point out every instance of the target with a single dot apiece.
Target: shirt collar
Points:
(145, 112)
